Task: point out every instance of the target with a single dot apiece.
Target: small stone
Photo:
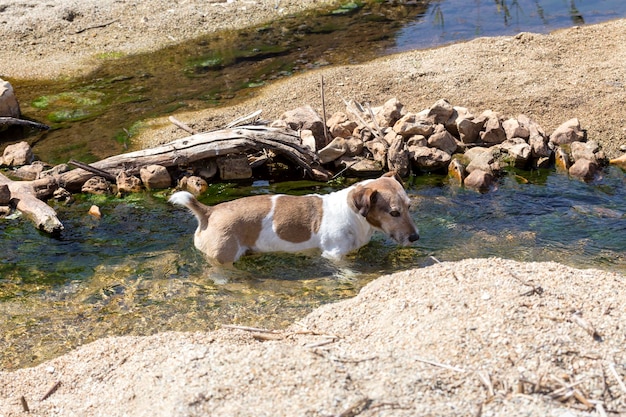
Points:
(95, 211)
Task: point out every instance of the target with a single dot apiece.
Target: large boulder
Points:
(17, 154)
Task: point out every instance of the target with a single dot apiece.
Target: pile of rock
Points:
(473, 149)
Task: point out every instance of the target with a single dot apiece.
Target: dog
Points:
(336, 223)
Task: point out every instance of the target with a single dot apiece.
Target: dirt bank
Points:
(477, 337)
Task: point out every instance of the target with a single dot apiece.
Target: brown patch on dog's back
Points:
(297, 218)
(235, 223)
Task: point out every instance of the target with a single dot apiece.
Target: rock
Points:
(96, 185)
(306, 118)
(479, 180)
(513, 129)
(354, 146)
(539, 143)
(334, 150)
(30, 172)
(588, 150)
(398, 157)
(128, 183)
(429, 159)
(440, 112)
(517, 150)
(195, 185)
(95, 211)
(5, 195)
(568, 132)
(561, 159)
(18, 154)
(340, 126)
(456, 170)
(469, 130)
(411, 124)
(484, 159)
(417, 140)
(493, 132)
(390, 112)
(378, 150)
(442, 139)
(155, 177)
(9, 106)
(234, 167)
(458, 114)
(584, 169)
(61, 194)
(360, 167)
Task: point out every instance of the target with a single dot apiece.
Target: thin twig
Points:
(356, 113)
(322, 343)
(536, 289)
(440, 365)
(248, 329)
(619, 380)
(102, 25)
(267, 336)
(371, 113)
(182, 125)
(326, 136)
(24, 404)
(51, 391)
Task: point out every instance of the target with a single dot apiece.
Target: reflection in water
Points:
(448, 21)
(135, 271)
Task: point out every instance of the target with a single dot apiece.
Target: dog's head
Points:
(385, 205)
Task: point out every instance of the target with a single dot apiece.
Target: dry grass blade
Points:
(440, 365)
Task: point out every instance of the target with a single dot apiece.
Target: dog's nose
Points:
(414, 237)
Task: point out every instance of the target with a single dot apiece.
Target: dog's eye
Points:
(394, 213)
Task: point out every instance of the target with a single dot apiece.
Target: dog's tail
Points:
(184, 198)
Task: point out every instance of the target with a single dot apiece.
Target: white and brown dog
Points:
(337, 223)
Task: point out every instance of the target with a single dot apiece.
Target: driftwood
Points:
(201, 146)
(28, 195)
(181, 152)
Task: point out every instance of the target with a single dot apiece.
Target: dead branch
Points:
(205, 145)
(26, 195)
(91, 169)
(12, 121)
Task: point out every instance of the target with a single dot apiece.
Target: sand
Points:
(486, 337)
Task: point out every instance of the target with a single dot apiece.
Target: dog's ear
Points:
(394, 174)
(363, 198)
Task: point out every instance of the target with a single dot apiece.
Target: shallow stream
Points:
(135, 270)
